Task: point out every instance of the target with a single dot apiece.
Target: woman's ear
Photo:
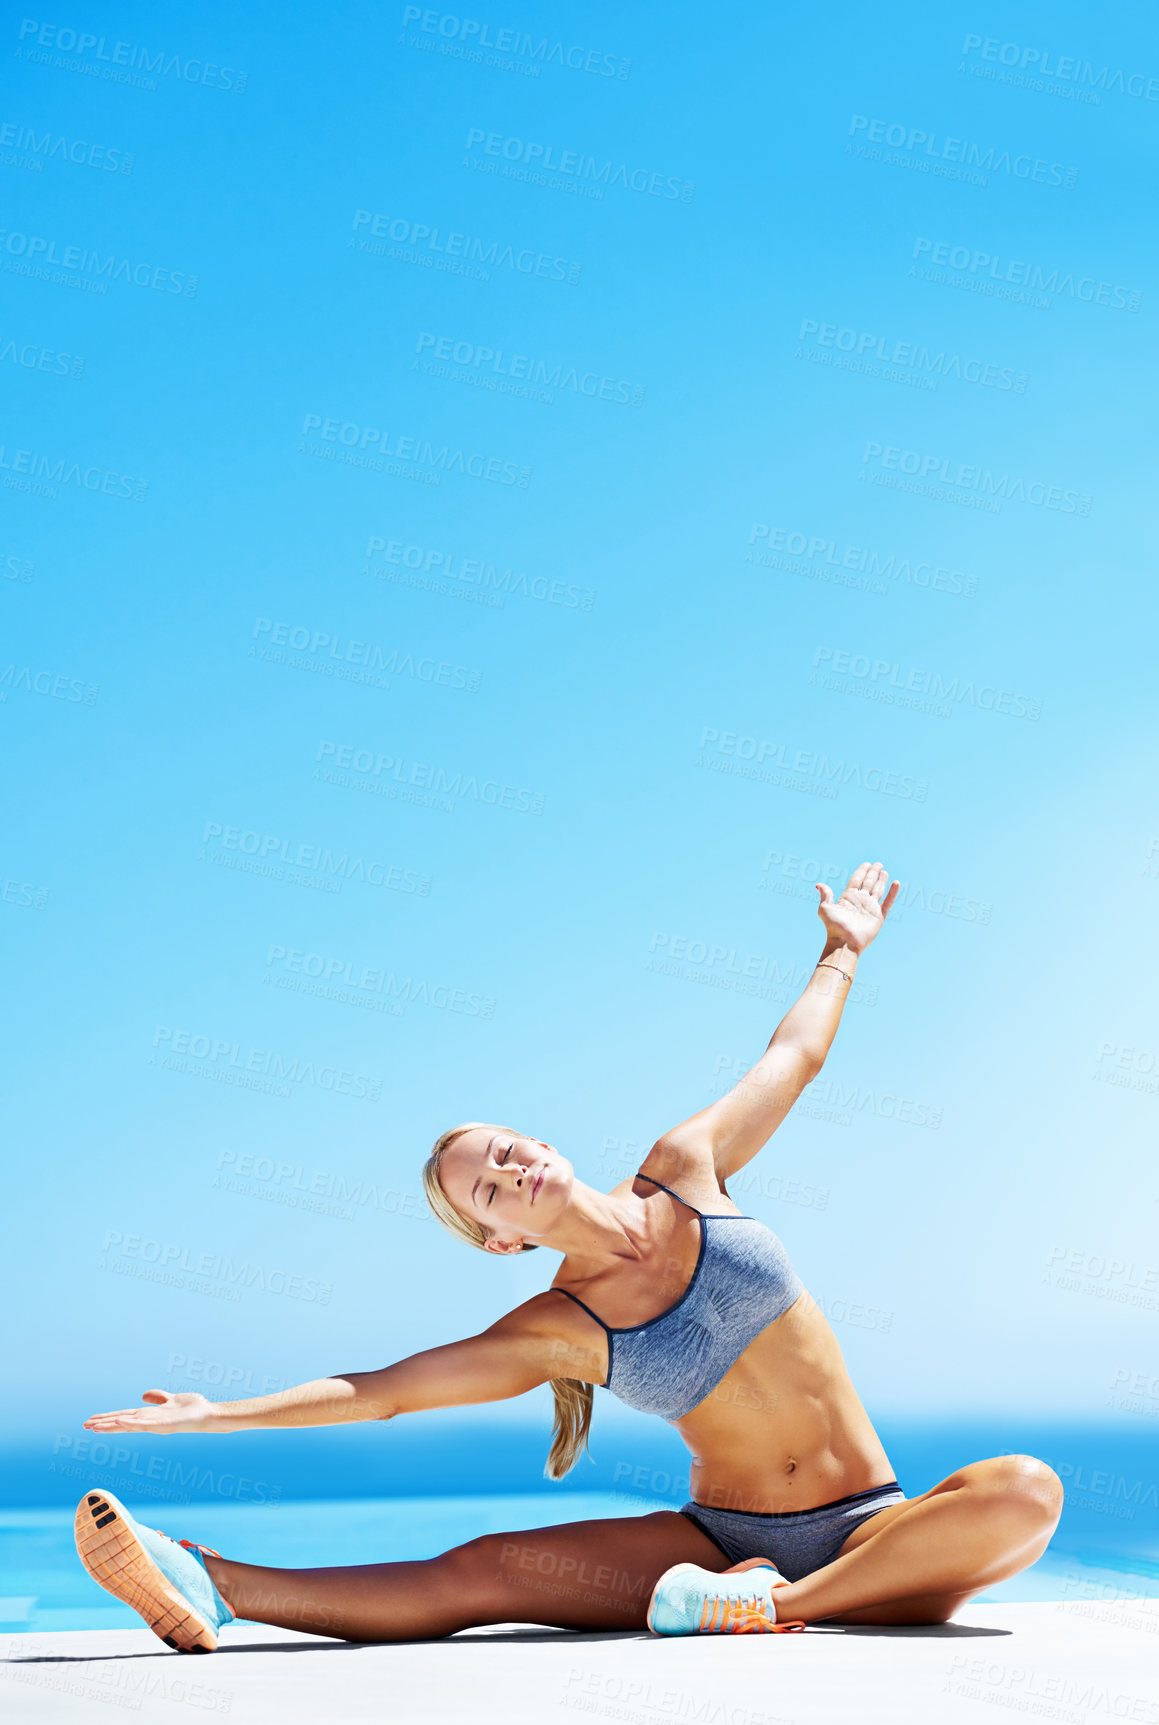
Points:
(503, 1246)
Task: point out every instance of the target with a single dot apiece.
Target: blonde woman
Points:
(680, 1305)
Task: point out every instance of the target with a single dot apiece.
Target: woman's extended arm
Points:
(736, 1127)
(513, 1356)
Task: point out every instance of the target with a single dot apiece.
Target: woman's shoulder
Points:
(687, 1168)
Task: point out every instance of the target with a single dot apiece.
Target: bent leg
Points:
(919, 1561)
(579, 1575)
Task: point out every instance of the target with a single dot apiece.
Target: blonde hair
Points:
(573, 1398)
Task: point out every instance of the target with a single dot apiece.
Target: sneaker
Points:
(164, 1579)
(688, 1600)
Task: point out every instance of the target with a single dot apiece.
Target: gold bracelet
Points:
(837, 968)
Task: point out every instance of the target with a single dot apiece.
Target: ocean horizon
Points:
(310, 1499)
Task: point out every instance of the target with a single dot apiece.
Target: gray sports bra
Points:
(743, 1280)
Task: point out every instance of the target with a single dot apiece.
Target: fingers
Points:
(826, 892)
(870, 878)
(129, 1420)
(122, 1417)
(887, 903)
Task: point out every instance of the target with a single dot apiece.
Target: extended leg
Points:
(579, 1575)
(917, 1562)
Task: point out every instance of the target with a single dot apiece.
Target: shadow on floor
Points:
(505, 1637)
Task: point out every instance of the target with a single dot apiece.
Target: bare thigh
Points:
(579, 1574)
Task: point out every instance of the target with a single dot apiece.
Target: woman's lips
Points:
(538, 1184)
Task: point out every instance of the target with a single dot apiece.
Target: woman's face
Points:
(516, 1188)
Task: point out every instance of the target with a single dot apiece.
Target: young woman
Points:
(681, 1306)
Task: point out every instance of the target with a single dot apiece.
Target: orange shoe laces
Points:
(724, 1616)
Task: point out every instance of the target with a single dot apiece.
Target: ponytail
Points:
(573, 1420)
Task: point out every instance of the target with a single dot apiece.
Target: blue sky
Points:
(797, 514)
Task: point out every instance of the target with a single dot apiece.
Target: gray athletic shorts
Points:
(797, 1542)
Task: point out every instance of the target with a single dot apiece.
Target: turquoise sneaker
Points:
(688, 1600)
(164, 1579)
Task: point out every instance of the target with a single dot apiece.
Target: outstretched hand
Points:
(856, 917)
(166, 1415)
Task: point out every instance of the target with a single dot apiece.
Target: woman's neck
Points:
(598, 1228)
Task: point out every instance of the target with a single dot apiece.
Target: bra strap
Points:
(579, 1302)
(670, 1193)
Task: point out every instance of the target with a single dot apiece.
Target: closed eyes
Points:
(500, 1160)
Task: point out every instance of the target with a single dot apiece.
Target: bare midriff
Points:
(784, 1429)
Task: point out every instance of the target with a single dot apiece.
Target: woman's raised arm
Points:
(737, 1126)
(512, 1356)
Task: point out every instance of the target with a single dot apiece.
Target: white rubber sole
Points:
(118, 1562)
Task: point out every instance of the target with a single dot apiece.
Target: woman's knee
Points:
(1019, 1487)
(478, 1574)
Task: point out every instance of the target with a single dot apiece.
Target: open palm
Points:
(856, 917)
(166, 1416)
